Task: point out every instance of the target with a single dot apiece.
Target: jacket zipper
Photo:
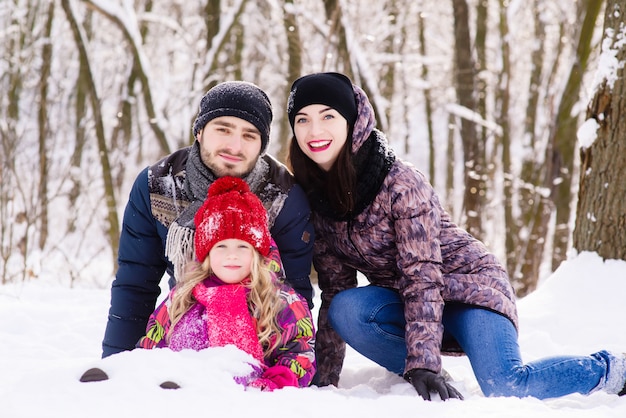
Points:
(349, 226)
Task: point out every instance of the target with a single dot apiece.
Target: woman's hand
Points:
(426, 381)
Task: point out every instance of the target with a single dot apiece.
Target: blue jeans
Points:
(371, 320)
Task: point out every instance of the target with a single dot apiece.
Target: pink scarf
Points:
(228, 319)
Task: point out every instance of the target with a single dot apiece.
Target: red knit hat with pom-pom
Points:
(230, 211)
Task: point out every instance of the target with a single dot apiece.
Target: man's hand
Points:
(425, 381)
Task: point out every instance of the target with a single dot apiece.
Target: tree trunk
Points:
(122, 131)
(536, 206)
(428, 105)
(141, 72)
(217, 45)
(212, 20)
(80, 112)
(504, 99)
(473, 150)
(236, 56)
(46, 64)
(600, 215)
(388, 76)
(527, 189)
(109, 191)
(537, 61)
(482, 24)
(451, 159)
(564, 135)
(344, 63)
(338, 38)
(294, 70)
(9, 141)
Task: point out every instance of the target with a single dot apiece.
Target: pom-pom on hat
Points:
(240, 99)
(330, 89)
(231, 210)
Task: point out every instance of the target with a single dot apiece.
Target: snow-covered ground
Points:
(49, 335)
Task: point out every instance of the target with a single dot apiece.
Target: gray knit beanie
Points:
(240, 99)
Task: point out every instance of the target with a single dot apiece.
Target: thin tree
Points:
(347, 55)
(218, 41)
(20, 212)
(294, 70)
(388, 69)
(528, 187)
(80, 136)
(564, 133)
(115, 15)
(554, 189)
(46, 64)
(504, 141)
(536, 206)
(9, 140)
(428, 102)
(337, 36)
(473, 149)
(122, 132)
(109, 191)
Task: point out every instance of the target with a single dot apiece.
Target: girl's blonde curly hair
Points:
(264, 302)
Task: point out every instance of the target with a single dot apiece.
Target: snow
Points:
(464, 112)
(608, 64)
(51, 334)
(587, 133)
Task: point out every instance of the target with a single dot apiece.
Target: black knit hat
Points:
(330, 89)
(239, 99)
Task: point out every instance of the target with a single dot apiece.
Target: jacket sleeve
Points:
(333, 276)
(142, 262)
(296, 350)
(158, 326)
(417, 228)
(294, 235)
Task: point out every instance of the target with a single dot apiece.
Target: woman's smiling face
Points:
(321, 133)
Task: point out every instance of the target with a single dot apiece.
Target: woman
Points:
(378, 215)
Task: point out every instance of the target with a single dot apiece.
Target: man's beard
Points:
(224, 169)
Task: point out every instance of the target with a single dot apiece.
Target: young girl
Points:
(433, 287)
(229, 295)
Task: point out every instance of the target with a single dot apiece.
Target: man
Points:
(232, 131)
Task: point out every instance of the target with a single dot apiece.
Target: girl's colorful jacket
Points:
(220, 317)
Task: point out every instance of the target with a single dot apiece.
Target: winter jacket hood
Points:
(365, 122)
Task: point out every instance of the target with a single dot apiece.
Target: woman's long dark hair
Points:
(338, 185)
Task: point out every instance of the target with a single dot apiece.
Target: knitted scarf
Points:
(227, 318)
(179, 247)
(373, 161)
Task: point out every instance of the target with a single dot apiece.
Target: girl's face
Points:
(231, 260)
(321, 132)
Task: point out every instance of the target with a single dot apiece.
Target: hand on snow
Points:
(275, 377)
(425, 381)
(266, 385)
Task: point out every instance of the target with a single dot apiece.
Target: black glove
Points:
(425, 381)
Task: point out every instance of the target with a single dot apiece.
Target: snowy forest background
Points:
(484, 96)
